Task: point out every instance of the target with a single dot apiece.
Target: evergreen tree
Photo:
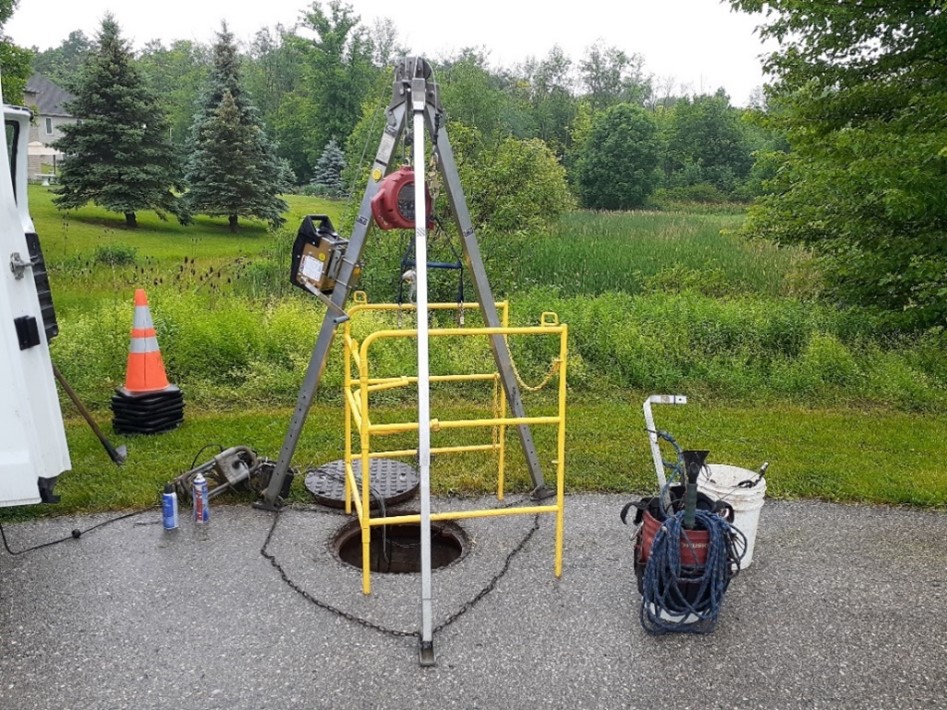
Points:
(327, 175)
(233, 168)
(118, 155)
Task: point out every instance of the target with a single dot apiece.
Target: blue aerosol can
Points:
(169, 507)
(199, 496)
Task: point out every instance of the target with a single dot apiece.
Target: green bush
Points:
(114, 255)
(517, 186)
(741, 347)
(616, 167)
(92, 348)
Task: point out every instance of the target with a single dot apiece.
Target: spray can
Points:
(169, 508)
(199, 496)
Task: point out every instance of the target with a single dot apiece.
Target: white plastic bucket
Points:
(722, 482)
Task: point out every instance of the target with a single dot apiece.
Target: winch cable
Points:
(379, 498)
(664, 604)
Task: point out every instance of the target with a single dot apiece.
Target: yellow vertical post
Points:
(366, 476)
(561, 451)
(501, 412)
(498, 438)
(346, 388)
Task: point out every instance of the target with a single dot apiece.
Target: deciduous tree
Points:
(335, 57)
(617, 167)
(176, 74)
(470, 92)
(612, 76)
(861, 90)
(14, 60)
(707, 144)
(552, 101)
(62, 64)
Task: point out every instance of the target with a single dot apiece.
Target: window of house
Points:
(49, 126)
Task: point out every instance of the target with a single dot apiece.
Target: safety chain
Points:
(397, 633)
(318, 602)
(493, 582)
(553, 369)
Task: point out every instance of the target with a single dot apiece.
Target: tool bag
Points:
(649, 515)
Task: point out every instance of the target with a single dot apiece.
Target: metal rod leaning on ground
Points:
(117, 455)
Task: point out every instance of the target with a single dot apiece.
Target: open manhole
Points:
(396, 549)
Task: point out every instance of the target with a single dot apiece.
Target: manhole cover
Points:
(391, 481)
(396, 549)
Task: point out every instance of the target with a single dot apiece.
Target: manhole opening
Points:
(396, 549)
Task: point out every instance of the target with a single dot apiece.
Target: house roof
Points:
(48, 98)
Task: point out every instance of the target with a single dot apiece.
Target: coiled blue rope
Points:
(683, 599)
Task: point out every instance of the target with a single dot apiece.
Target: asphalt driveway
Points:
(843, 607)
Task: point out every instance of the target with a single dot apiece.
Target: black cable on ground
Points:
(74, 535)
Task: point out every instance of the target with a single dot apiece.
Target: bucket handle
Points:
(751, 483)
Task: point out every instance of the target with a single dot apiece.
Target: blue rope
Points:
(690, 598)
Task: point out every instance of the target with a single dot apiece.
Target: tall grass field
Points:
(655, 302)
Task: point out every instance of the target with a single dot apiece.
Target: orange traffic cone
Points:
(148, 403)
(145, 369)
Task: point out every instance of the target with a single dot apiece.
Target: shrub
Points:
(115, 255)
(617, 166)
(700, 192)
(238, 351)
(825, 363)
(517, 186)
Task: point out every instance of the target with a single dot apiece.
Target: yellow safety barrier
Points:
(358, 388)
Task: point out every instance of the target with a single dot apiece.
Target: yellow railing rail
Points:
(359, 385)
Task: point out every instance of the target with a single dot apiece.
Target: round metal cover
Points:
(391, 481)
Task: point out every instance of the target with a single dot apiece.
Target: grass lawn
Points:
(842, 453)
(163, 249)
(833, 454)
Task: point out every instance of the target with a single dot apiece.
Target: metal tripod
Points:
(413, 90)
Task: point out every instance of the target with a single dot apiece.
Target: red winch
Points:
(393, 204)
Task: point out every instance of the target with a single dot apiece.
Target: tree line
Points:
(845, 152)
(314, 83)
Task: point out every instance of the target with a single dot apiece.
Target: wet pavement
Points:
(843, 607)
